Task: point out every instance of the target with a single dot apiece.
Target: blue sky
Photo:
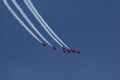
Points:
(93, 26)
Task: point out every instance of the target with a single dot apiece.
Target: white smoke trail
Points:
(20, 21)
(41, 23)
(46, 25)
(30, 23)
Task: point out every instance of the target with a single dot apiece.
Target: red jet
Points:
(78, 51)
(64, 50)
(72, 50)
(69, 51)
(44, 44)
(54, 48)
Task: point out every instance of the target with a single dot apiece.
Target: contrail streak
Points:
(46, 27)
(20, 21)
(28, 20)
(41, 23)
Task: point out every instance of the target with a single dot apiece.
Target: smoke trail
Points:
(42, 24)
(30, 23)
(46, 25)
(20, 21)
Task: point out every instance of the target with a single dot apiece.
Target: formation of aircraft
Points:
(40, 38)
(65, 50)
(70, 50)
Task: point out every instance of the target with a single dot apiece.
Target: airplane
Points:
(63, 48)
(64, 51)
(44, 44)
(69, 51)
(78, 51)
(72, 50)
(54, 48)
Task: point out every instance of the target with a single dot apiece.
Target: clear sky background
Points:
(93, 26)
